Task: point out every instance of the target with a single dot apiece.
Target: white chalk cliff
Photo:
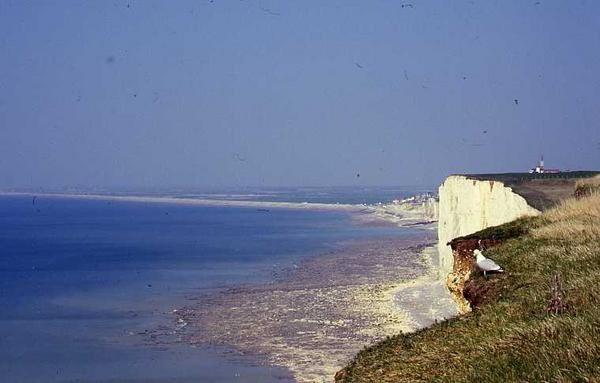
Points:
(467, 206)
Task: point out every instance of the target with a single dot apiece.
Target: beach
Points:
(330, 306)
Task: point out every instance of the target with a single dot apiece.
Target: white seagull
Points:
(486, 264)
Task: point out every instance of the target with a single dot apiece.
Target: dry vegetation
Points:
(573, 218)
(592, 181)
(523, 334)
(587, 186)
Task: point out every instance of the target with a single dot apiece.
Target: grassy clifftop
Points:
(540, 321)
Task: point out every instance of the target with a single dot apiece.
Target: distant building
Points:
(541, 169)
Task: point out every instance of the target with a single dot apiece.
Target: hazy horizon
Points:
(230, 190)
(155, 95)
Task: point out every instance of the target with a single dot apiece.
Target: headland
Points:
(537, 321)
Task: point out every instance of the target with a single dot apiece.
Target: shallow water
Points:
(83, 281)
(313, 321)
(328, 195)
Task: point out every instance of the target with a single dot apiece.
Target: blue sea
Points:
(82, 281)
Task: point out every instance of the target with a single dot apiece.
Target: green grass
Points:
(509, 230)
(512, 338)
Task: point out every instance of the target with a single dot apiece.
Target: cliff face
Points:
(458, 281)
(468, 205)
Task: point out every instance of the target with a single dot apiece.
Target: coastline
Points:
(193, 201)
(409, 212)
(328, 307)
(427, 296)
(324, 312)
(524, 324)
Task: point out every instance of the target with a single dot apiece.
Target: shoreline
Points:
(429, 298)
(315, 320)
(194, 201)
(409, 212)
(324, 311)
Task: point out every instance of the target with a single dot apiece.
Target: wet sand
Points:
(313, 320)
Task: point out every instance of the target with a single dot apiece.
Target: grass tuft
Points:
(587, 186)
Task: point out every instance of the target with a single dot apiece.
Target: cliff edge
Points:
(467, 205)
(470, 203)
(536, 321)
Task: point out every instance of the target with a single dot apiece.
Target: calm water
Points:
(80, 280)
(331, 195)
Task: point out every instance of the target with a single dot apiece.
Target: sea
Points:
(84, 281)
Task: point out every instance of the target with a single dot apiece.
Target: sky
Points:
(203, 94)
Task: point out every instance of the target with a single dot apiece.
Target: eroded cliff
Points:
(469, 205)
(466, 206)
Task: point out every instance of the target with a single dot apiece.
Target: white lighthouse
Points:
(540, 168)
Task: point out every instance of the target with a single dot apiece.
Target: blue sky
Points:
(155, 94)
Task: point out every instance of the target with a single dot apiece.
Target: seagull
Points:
(238, 157)
(486, 264)
(270, 12)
